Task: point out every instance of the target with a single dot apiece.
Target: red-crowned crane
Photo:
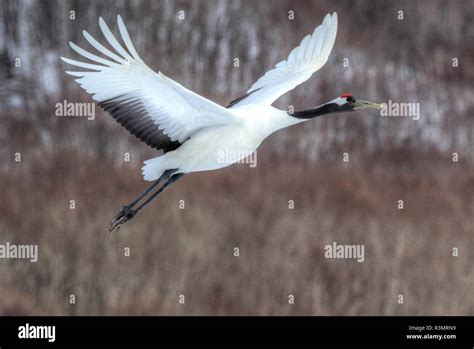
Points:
(191, 130)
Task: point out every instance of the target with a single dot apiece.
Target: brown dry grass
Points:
(190, 251)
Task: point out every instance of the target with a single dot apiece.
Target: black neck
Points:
(312, 113)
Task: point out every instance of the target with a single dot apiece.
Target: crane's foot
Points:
(124, 214)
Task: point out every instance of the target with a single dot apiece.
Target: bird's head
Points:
(347, 102)
(344, 103)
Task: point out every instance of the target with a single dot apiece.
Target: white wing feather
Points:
(302, 62)
(177, 111)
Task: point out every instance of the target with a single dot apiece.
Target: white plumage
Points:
(304, 60)
(191, 129)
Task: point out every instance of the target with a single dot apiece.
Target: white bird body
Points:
(221, 146)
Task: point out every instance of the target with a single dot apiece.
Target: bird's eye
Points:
(350, 99)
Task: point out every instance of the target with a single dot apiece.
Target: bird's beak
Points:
(359, 104)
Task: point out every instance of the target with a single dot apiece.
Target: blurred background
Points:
(427, 57)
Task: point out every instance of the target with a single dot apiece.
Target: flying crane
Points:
(191, 130)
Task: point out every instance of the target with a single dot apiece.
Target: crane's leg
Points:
(127, 212)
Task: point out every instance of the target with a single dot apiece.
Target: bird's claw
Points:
(124, 214)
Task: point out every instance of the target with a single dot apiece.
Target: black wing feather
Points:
(132, 115)
(241, 98)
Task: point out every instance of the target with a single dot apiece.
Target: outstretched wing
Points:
(303, 61)
(151, 106)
